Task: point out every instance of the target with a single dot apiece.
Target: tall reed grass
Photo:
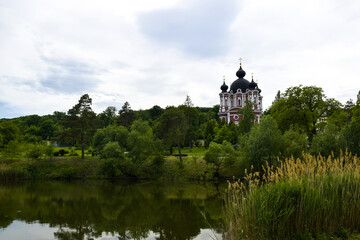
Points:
(310, 195)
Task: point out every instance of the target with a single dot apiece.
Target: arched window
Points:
(239, 101)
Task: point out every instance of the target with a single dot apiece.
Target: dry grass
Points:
(301, 196)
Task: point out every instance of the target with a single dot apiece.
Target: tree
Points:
(192, 119)
(264, 143)
(223, 134)
(9, 132)
(294, 143)
(301, 108)
(111, 133)
(126, 115)
(220, 156)
(328, 140)
(80, 123)
(107, 116)
(188, 102)
(248, 116)
(173, 127)
(211, 129)
(155, 112)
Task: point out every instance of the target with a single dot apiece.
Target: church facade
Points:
(241, 91)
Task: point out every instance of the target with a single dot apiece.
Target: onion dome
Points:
(252, 85)
(241, 82)
(257, 88)
(240, 73)
(224, 87)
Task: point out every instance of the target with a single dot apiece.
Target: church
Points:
(234, 99)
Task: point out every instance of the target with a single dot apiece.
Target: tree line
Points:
(302, 119)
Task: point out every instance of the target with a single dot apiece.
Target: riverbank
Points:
(193, 168)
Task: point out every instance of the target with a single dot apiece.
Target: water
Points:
(110, 210)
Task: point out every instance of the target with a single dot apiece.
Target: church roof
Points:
(241, 82)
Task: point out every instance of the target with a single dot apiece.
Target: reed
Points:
(311, 195)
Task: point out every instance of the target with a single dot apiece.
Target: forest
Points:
(139, 143)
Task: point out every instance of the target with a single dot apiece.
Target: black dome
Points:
(241, 83)
(252, 85)
(240, 73)
(224, 87)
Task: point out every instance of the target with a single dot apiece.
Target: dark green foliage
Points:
(264, 144)
(126, 116)
(248, 117)
(155, 112)
(173, 127)
(220, 156)
(35, 151)
(80, 124)
(9, 131)
(111, 133)
(295, 143)
(211, 129)
(107, 117)
(301, 108)
(328, 141)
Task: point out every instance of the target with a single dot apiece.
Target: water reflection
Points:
(96, 210)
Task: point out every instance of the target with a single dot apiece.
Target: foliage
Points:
(126, 115)
(301, 108)
(12, 150)
(35, 150)
(107, 117)
(328, 141)
(264, 143)
(80, 123)
(173, 127)
(248, 117)
(211, 129)
(220, 156)
(9, 131)
(299, 198)
(295, 143)
(111, 133)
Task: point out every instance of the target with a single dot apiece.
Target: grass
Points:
(195, 152)
(309, 198)
(59, 168)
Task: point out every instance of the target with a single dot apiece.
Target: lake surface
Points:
(110, 210)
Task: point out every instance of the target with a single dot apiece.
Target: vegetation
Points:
(300, 198)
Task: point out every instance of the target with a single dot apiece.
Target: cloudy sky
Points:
(157, 52)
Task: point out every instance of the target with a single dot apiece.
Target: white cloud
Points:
(53, 52)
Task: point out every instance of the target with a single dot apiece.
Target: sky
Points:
(158, 52)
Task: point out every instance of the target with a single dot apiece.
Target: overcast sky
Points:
(157, 52)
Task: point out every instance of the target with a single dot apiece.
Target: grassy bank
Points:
(59, 168)
(311, 198)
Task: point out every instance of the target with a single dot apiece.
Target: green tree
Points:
(295, 143)
(173, 128)
(329, 140)
(264, 143)
(192, 119)
(12, 150)
(80, 123)
(220, 156)
(107, 117)
(9, 132)
(223, 134)
(302, 107)
(111, 133)
(248, 117)
(155, 112)
(126, 116)
(211, 129)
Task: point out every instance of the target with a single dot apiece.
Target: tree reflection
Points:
(85, 210)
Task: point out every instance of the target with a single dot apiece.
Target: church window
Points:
(239, 101)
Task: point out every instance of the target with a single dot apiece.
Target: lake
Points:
(110, 210)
